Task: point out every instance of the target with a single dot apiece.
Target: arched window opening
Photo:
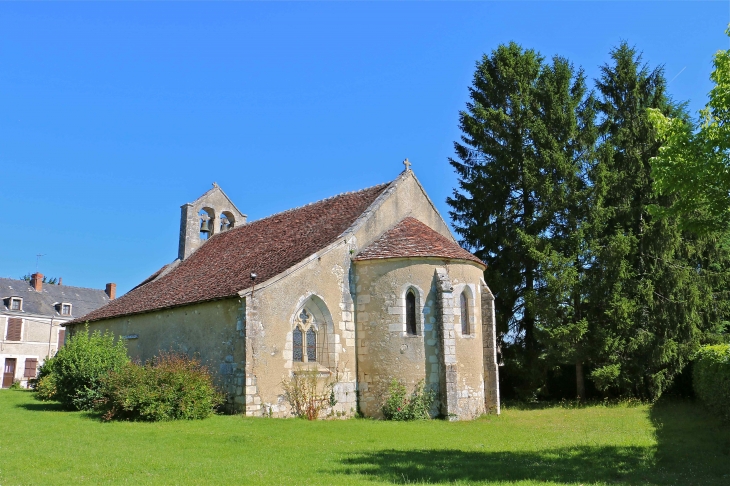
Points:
(411, 313)
(464, 302)
(298, 341)
(227, 221)
(311, 345)
(207, 218)
(304, 338)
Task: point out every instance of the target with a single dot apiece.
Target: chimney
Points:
(111, 290)
(36, 281)
(60, 280)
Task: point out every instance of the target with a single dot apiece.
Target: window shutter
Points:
(31, 364)
(15, 327)
(61, 337)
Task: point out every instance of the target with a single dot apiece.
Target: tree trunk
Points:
(580, 384)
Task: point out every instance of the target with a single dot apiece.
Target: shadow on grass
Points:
(571, 404)
(43, 407)
(692, 448)
(584, 464)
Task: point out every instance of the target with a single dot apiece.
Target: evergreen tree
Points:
(651, 293)
(523, 159)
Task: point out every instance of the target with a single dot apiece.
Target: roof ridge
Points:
(53, 285)
(310, 204)
(270, 246)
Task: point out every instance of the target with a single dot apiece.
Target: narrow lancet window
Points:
(311, 345)
(297, 339)
(464, 302)
(411, 313)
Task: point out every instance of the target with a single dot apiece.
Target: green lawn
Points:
(671, 443)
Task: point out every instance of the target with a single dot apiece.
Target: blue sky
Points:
(112, 115)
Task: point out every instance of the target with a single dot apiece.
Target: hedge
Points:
(711, 378)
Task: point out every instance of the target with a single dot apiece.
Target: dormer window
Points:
(63, 308)
(16, 304)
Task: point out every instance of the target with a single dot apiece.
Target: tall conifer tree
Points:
(651, 298)
(522, 163)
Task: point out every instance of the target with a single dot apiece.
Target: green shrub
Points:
(73, 375)
(711, 378)
(399, 405)
(45, 388)
(171, 386)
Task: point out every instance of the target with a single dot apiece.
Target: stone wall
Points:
(320, 284)
(207, 330)
(489, 336)
(447, 362)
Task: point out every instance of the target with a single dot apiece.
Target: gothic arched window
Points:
(411, 312)
(311, 345)
(464, 302)
(304, 338)
(298, 341)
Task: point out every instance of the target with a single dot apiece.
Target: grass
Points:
(674, 443)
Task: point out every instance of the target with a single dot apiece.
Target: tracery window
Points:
(298, 340)
(411, 312)
(464, 302)
(311, 345)
(304, 338)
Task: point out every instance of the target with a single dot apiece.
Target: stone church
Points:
(364, 287)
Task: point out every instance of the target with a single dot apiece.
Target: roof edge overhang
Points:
(429, 258)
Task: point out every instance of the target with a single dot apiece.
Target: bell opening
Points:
(206, 224)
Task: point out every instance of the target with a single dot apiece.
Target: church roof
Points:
(222, 266)
(411, 238)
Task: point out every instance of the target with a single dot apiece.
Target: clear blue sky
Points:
(112, 115)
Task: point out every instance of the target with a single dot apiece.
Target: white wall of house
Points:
(39, 340)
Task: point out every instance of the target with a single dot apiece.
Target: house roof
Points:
(222, 266)
(412, 238)
(82, 300)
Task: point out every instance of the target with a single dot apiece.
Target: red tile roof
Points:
(222, 266)
(411, 238)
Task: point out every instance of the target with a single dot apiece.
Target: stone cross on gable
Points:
(407, 164)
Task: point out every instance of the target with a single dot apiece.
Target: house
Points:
(360, 288)
(31, 318)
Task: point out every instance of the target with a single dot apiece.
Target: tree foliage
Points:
(652, 291)
(73, 376)
(522, 165)
(556, 195)
(693, 163)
